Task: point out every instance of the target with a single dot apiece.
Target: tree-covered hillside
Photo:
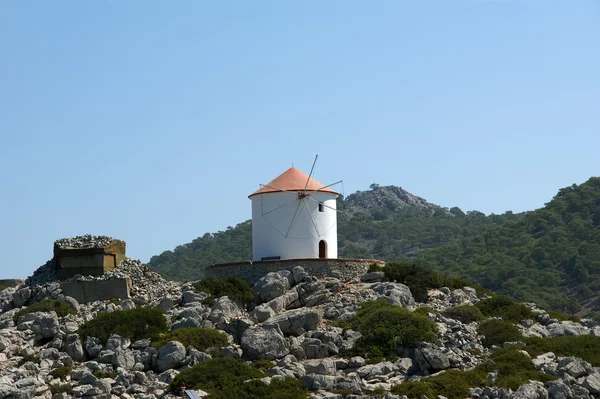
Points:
(551, 256)
(187, 261)
(385, 223)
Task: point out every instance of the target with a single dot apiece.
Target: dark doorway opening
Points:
(322, 249)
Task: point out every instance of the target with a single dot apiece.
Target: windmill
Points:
(294, 216)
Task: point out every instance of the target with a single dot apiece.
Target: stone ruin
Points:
(87, 255)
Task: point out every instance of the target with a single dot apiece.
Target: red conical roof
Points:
(292, 180)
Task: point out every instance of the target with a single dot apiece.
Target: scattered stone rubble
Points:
(291, 325)
(83, 242)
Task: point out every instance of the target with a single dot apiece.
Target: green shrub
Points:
(61, 388)
(236, 288)
(464, 313)
(563, 316)
(134, 324)
(586, 347)
(224, 377)
(61, 372)
(199, 338)
(262, 365)
(453, 384)
(60, 307)
(497, 332)
(288, 388)
(384, 327)
(27, 358)
(514, 369)
(105, 374)
(419, 279)
(503, 306)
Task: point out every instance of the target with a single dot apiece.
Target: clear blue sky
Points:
(152, 121)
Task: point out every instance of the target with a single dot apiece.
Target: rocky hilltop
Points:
(392, 198)
(297, 328)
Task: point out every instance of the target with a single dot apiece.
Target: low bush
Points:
(514, 368)
(61, 372)
(134, 324)
(224, 377)
(289, 388)
(199, 338)
(464, 313)
(60, 307)
(105, 374)
(563, 316)
(586, 347)
(61, 388)
(262, 365)
(504, 307)
(497, 332)
(28, 358)
(384, 327)
(236, 288)
(419, 279)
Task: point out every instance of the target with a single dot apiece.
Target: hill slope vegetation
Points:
(550, 256)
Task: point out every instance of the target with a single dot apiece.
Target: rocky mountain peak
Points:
(392, 198)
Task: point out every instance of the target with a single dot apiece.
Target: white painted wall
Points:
(272, 214)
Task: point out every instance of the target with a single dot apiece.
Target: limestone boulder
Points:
(266, 342)
(295, 322)
(170, 356)
(271, 286)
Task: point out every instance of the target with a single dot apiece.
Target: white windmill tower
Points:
(294, 217)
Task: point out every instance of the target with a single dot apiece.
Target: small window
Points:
(321, 207)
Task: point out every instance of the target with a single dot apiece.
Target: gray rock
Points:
(123, 358)
(271, 286)
(356, 361)
(265, 342)
(92, 346)
(592, 383)
(531, 390)
(373, 277)
(170, 356)
(295, 322)
(227, 307)
(193, 297)
(558, 390)
(373, 370)
(330, 383)
(320, 366)
(262, 312)
(186, 322)
(115, 342)
(43, 324)
(574, 367)
(74, 348)
(566, 328)
(195, 356)
(314, 348)
(299, 274)
(431, 359)
(395, 293)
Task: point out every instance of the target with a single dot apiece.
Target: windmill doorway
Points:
(322, 249)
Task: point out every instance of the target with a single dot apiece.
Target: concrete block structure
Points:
(88, 260)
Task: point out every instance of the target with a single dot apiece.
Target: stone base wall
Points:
(344, 269)
(98, 290)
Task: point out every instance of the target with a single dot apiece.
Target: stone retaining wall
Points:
(344, 269)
